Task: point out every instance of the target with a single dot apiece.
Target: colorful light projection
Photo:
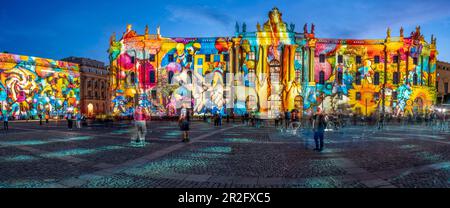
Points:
(273, 70)
(30, 86)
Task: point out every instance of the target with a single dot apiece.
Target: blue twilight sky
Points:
(57, 29)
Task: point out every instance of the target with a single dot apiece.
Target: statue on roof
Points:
(313, 28)
(305, 28)
(401, 32)
(146, 30)
(244, 27)
(275, 22)
(388, 32)
(292, 27)
(258, 27)
(237, 27)
(112, 39)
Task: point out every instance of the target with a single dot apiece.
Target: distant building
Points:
(94, 86)
(443, 78)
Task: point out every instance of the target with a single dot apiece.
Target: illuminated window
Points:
(251, 75)
(152, 77)
(340, 59)
(298, 75)
(152, 57)
(321, 77)
(376, 78)
(322, 58)
(216, 58)
(298, 56)
(208, 57)
(251, 55)
(376, 59)
(200, 61)
(358, 60)
(189, 58)
(275, 71)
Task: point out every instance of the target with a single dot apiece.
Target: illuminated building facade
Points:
(271, 70)
(30, 86)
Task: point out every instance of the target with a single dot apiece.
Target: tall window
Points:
(275, 71)
(152, 76)
(358, 60)
(298, 56)
(396, 78)
(208, 57)
(251, 75)
(298, 74)
(358, 78)
(394, 95)
(189, 58)
(226, 57)
(322, 58)
(340, 77)
(446, 87)
(154, 94)
(415, 60)
(170, 77)
(322, 77)
(376, 78)
(251, 55)
(132, 60)
(340, 59)
(377, 59)
(415, 79)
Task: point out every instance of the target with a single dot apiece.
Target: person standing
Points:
(140, 123)
(40, 119)
(69, 121)
(79, 120)
(319, 125)
(47, 116)
(184, 124)
(5, 122)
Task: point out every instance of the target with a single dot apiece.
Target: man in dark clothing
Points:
(319, 125)
(287, 118)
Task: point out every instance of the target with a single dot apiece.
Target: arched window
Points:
(170, 77)
(358, 78)
(152, 76)
(415, 79)
(376, 78)
(190, 77)
(275, 71)
(322, 77)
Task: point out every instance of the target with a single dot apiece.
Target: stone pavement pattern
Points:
(230, 156)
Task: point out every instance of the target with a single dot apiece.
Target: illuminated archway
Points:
(90, 109)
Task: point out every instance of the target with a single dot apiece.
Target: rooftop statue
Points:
(305, 29)
(258, 27)
(275, 22)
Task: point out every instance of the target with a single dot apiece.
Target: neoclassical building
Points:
(273, 69)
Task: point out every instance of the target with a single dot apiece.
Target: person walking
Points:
(287, 118)
(319, 125)
(184, 124)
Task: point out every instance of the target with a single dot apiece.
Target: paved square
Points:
(218, 157)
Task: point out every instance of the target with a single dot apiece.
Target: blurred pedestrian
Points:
(184, 124)
(319, 125)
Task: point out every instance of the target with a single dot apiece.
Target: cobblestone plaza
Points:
(234, 155)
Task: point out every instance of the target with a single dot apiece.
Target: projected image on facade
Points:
(272, 70)
(30, 86)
